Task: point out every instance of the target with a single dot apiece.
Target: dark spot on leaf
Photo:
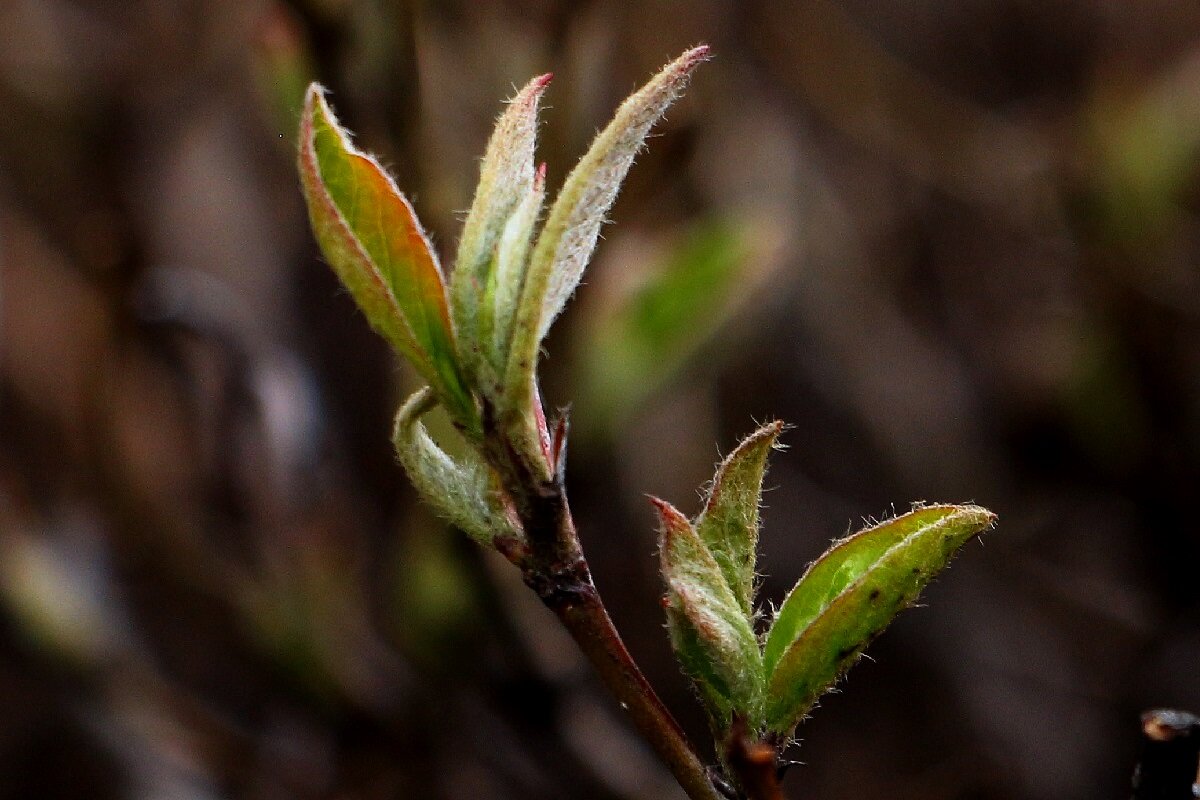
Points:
(874, 595)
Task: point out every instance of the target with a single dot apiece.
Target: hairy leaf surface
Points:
(728, 525)
(567, 239)
(506, 181)
(849, 595)
(711, 633)
(464, 492)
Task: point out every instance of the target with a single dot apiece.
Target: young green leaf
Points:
(372, 239)
(464, 492)
(506, 182)
(849, 595)
(711, 634)
(693, 654)
(728, 525)
(569, 235)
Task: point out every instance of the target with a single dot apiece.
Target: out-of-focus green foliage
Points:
(283, 69)
(635, 347)
(1147, 147)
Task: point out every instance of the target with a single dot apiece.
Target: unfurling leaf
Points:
(710, 632)
(512, 256)
(849, 595)
(465, 492)
(372, 239)
(573, 224)
(506, 183)
(728, 525)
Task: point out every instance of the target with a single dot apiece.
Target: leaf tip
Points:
(667, 513)
(315, 90)
(671, 520)
(317, 113)
(680, 70)
(528, 97)
(694, 57)
(314, 98)
(770, 431)
(977, 517)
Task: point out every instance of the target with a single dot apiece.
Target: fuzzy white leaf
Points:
(506, 178)
(566, 242)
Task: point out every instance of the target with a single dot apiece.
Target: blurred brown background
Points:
(954, 244)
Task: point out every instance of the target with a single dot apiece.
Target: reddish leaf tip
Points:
(680, 70)
(532, 92)
(315, 95)
(694, 56)
(671, 518)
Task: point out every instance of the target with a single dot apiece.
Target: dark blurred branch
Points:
(1170, 765)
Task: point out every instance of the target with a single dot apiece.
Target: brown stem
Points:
(753, 762)
(582, 612)
(560, 576)
(552, 563)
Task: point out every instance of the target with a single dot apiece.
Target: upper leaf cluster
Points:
(476, 342)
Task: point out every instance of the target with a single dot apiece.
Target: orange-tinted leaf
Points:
(374, 242)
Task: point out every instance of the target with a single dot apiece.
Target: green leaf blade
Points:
(371, 237)
(728, 525)
(849, 596)
(836, 569)
(712, 636)
(692, 653)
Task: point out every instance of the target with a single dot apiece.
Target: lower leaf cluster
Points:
(845, 599)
